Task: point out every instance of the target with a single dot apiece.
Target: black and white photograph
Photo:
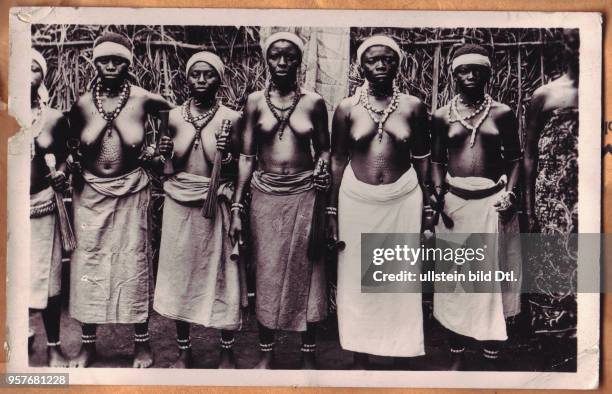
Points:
(203, 183)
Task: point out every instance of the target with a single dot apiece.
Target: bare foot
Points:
(309, 361)
(31, 336)
(55, 357)
(457, 362)
(86, 357)
(143, 356)
(265, 361)
(360, 361)
(227, 359)
(184, 359)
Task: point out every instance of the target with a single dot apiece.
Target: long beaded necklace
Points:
(36, 129)
(198, 122)
(484, 108)
(281, 114)
(383, 114)
(112, 115)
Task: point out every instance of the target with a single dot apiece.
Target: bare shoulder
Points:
(441, 114)
(311, 97)
(175, 113)
(84, 99)
(53, 115)
(228, 113)
(345, 105)
(255, 96)
(541, 93)
(499, 109)
(412, 105)
(410, 101)
(138, 92)
(254, 99)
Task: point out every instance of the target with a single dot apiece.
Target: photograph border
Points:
(589, 204)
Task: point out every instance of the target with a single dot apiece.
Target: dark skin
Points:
(484, 159)
(52, 139)
(203, 81)
(128, 129)
(289, 155)
(53, 127)
(558, 94)
(355, 138)
(126, 140)
(355, 135)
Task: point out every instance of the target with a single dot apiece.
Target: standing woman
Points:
(48, 137)
(380, 150)
(551, 189)
(197, 282)
(283, 122)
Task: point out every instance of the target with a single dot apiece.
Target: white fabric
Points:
(206, 57)
(385, 324)
(282, 36)
(379, 40)
(45, 254)
(471, 58)
(109, 48)
(476, 315)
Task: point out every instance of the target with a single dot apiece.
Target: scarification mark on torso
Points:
(110, 150)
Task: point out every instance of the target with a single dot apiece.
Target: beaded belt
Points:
(43, 209)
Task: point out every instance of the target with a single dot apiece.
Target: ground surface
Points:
(115, 343)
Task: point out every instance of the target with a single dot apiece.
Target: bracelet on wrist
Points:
(228, 158)
(238, 207)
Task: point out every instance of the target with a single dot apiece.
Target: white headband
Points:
(378, 40)
(43, 93)
(206, 57)
(38, 58)
(471, 58)
(282, 36)
(109, 48)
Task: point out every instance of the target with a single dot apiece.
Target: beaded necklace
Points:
(282, 115)
(383, 114)
(484, 108)
(112, 115)
(199, 122)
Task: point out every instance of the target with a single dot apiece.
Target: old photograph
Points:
(202, 186)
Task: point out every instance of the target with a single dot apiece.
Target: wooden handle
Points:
(210, 204)
(163, 131)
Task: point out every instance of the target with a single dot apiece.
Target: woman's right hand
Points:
(332, 228)
(235, 230)
(165, 146)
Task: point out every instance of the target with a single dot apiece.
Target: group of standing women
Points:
(382, 171)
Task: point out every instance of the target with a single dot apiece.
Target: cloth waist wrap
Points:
(477, 314)
(42, 203)
(197, 282)
(280, 184)
(290, 288)
(189, 188)
(385, 324)
(111, 275)
(45, 249)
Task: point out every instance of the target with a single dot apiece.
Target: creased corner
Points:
(31, 15)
